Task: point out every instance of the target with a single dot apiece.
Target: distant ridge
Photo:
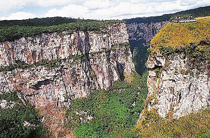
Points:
(49, 21)
(198, 12)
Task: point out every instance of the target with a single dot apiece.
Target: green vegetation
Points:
(206, 135)
(181, 38)
(193, 125)
(115, 116)
(49, 21)
(10, 97)
(16, 31)
(199, 12)
(197, 54)
(140, 55)
(177, 35)
(139, 51)
(114, 112)
(12, 119)
(194, 51)
(23, 65)
(158, 71)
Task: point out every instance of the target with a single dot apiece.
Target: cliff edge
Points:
(178, 69)
(51, 69)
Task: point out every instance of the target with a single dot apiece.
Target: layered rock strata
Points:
(85, 61)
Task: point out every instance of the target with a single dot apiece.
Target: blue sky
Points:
(93, 9)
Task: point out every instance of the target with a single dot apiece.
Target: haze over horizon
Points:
(94, 9)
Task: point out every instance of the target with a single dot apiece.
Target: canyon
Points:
(50, 70)
(55, 68)
(178, 70)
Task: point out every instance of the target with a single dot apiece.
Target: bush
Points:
(12, 119)
(114, 112)
(192, 125)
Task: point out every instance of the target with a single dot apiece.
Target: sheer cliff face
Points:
(144, 31)
(85, 61)
(178, 69)
(177, 89)
(140, 35)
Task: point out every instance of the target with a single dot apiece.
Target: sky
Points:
(93, 9)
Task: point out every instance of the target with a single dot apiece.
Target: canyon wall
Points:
(176, 89)
(144, 32)
(52, 69)
(140, 35)
(178, 69)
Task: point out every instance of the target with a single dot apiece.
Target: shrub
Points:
(114, 112)
(192, 125)
(11, 119)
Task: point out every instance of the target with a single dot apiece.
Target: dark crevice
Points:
(40, 83)
(120, 71)
(179, 97)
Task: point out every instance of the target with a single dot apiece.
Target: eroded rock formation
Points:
(85, 61)
(144, 32)
(175, 87)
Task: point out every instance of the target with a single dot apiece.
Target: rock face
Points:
(85, 61)
(144, 31)
(140, 35)
(175, 88)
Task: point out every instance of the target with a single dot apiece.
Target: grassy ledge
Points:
(192, 125)
(177, 35)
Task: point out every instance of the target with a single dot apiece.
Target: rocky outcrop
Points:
(178, 70)
(85, 61)
(175, 87)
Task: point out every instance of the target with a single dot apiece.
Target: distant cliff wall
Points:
(144, 31)
(140, 35)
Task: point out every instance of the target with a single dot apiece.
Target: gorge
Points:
(83, 76)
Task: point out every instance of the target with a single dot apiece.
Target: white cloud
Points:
(19, 16)
(100, 9)
(187, 2)
(138, 1)
(111, 10)
(46, 3)
(98, 4)
(74, 11)
(194, 3)
(7, 5)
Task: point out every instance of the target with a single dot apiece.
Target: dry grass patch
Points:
(177, 35)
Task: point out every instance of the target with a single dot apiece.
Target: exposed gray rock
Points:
(27, 124)
(144, 31)
(89, 61)
(179, 89)
(4, 104)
